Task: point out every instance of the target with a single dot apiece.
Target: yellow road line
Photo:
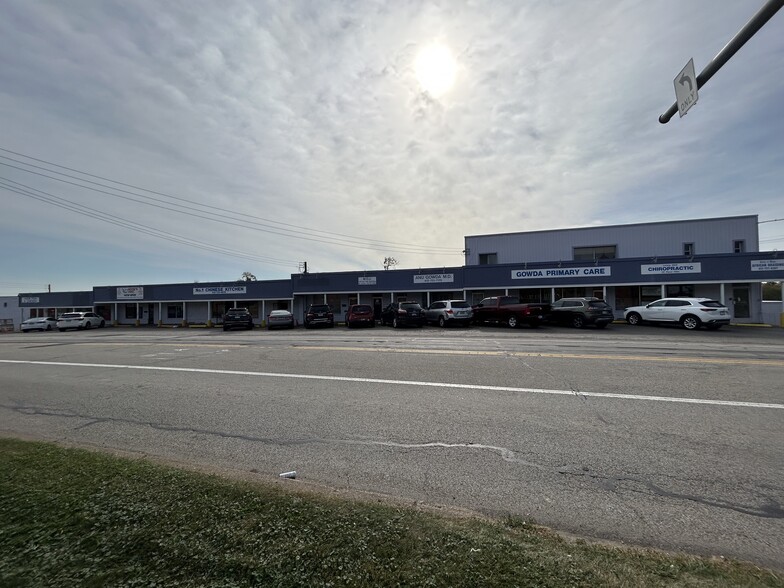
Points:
(737, 361)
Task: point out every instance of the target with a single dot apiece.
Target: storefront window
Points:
(680, 290)
(130, 311)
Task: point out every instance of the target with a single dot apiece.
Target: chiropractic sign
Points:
(593, 271)
(670, 268)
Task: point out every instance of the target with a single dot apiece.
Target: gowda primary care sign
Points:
(562, 272)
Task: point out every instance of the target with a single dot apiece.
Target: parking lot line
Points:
(712, 402)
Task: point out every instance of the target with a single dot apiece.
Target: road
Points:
(643, 435)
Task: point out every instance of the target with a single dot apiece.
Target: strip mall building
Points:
(626, 265)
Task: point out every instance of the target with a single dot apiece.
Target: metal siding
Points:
(81, 299)
(667, 238)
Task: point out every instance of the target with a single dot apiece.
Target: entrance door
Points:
(740, 302)
(150, 314)
(377, 306)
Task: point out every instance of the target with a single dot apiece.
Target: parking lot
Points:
(647, 435)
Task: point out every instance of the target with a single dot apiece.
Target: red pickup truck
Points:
(509, 310)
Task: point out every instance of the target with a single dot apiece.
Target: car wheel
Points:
(512, 322)
(634, 319)
(395, 324)
(88, 325)
(103, 324)
(690, 322)
(578, 322)
(48, 327)
(441, 322)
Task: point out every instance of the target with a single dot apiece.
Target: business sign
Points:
(30, 300)
(366, 281)
(757, 265)
(219, 290)
(130, 293)
(593, 271)
(667, 269)
(434, 278)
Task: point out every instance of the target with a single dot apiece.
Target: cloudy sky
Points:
(153, 142)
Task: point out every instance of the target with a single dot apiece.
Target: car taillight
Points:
(450, 311)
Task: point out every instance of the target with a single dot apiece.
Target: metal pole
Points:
(739, 40)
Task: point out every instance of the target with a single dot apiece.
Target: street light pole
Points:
(747, 32)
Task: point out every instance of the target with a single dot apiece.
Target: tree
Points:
(247, 277)
(389, 262)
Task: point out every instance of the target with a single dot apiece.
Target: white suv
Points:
(692, 313)
(449, 312)
(79, 320)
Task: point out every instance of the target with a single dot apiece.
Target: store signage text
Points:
(219, 290)
(671, 268)
(433, 278)
(30, 300)
(366, 281)
(130, 293)
(767, 265)
(562, 272)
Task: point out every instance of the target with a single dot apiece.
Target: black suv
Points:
(399, 314)
(237, 317)
(319, 314)
(579, 312)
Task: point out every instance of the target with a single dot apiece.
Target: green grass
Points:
(77, 518)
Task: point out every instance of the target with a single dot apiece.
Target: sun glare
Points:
(435, 69)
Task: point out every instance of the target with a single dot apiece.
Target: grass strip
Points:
(71, 517)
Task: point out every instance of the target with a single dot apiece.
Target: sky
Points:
(162, 142)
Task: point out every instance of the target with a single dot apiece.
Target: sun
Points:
(435, 69)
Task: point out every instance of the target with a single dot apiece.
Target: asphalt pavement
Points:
(647, 436)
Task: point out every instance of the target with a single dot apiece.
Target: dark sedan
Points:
(400, 314)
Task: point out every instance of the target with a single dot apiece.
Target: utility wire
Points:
(60, 202)
(354, 241)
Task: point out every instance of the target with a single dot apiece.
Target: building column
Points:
(209, 313)
(428, 298)
(721, 294)
(358, 300)
(138, 320)
(506, 291)
(115, 322)
(781, 316)
(263, 317)
(552, 295)
(604, 293)
(325, 297)
(160, 314)
(663, 291)
(184, 314)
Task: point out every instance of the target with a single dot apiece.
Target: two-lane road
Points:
(651, 436)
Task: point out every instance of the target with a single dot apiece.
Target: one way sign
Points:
(686, 88)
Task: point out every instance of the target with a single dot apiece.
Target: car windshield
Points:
(409, 305)
(237, 311)
(598, 304)
(460, 304)
(363, 308)
(71, 315)
(319, 308)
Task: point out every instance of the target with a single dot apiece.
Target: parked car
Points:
(510, 311)
(235, 318)
(360, 314)
(79, 320)
(691, 313)
(580, 312)
(280, 319)
(41, 323)
(449, 312)
(319, 314)
(399, 314)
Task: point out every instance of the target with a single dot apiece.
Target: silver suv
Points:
(580, 312)
(692, 313)
(449, 312)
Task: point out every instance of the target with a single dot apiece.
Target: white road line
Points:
(403, 383)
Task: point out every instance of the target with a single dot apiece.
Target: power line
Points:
(60, 202)
(346, 239)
